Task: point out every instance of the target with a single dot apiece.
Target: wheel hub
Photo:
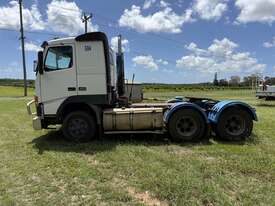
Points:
(78, 127)
(235, 125)
(186, 126)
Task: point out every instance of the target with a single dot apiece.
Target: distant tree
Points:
(251, 80)
(216, 81)
(223, 82)
(235, 80)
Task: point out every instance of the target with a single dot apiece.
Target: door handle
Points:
(82, 88)
(71, 89)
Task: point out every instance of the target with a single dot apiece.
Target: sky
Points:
(172, 41)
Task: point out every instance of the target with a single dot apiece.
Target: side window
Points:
(59, 58)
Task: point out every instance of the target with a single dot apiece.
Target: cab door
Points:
(58, 81)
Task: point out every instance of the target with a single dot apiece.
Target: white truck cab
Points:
(66, 74)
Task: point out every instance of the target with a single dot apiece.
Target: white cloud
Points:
(256, 11)
(65, 17)
(9, 17)
(163, 62)
(32, 47)
(220, 56)
(164, 4)
(148, 3)
(210, 9)
(222, 48)
(62, 17)
(194, 48)
(165, 20)
(124, 42)
(197, 62)
(147, 62)
(269, 44)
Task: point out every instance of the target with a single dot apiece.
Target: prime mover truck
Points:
(80, 85)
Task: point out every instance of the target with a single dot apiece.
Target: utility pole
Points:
(85, 20)
(23, 48)
(119, 44)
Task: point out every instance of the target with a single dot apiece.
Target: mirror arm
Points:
(40, 62)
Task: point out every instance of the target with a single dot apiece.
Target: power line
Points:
(130, 31)
(26, 31)
(135, 32)
(76, 10)
(104, 25)
(114, 24)
(144, 54)
(178, 43)
(6, 29)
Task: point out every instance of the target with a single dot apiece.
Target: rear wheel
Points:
(79, 127)
(234, 124)
(187, 125)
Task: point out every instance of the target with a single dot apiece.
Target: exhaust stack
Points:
(120, 69)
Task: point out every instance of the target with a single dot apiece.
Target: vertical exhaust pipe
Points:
(120, 69)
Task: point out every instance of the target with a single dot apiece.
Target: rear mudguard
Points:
(184, 105)
(220, 107)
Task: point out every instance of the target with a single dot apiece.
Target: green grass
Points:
(40, 168)
(7, 91)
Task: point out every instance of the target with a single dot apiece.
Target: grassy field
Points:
(40, 168)
(13, 91)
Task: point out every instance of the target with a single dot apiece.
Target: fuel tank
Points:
(133, 119)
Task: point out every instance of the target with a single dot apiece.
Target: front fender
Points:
(183, 105)
(217, 110)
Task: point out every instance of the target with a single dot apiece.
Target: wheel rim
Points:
(186, 126)
(78, 128)
(235, 125)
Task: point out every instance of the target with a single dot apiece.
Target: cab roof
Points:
(91, 36)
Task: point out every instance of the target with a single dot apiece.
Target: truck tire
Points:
(79, 126)
(187, 125)
(235, 124)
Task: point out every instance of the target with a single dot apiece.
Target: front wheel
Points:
(187, 125)
(235, 124)
(79, 126)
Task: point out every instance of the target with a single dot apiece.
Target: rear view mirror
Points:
(40, 62)
(34, 66)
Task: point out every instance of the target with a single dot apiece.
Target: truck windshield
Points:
(59, 58)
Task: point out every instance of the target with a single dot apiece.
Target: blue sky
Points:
(177, 41)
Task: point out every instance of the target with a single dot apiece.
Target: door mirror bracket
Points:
(40, 62)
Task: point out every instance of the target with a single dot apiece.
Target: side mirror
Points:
(35, 66)
(40, 62)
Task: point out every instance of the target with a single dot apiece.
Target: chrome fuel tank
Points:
(133, 119)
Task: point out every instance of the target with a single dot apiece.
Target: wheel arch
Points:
(70, 105)
(218, 109)
(183, 105)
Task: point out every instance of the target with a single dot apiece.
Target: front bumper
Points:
(36, 120)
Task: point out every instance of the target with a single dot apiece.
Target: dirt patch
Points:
(145, 198)
(180, 151)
